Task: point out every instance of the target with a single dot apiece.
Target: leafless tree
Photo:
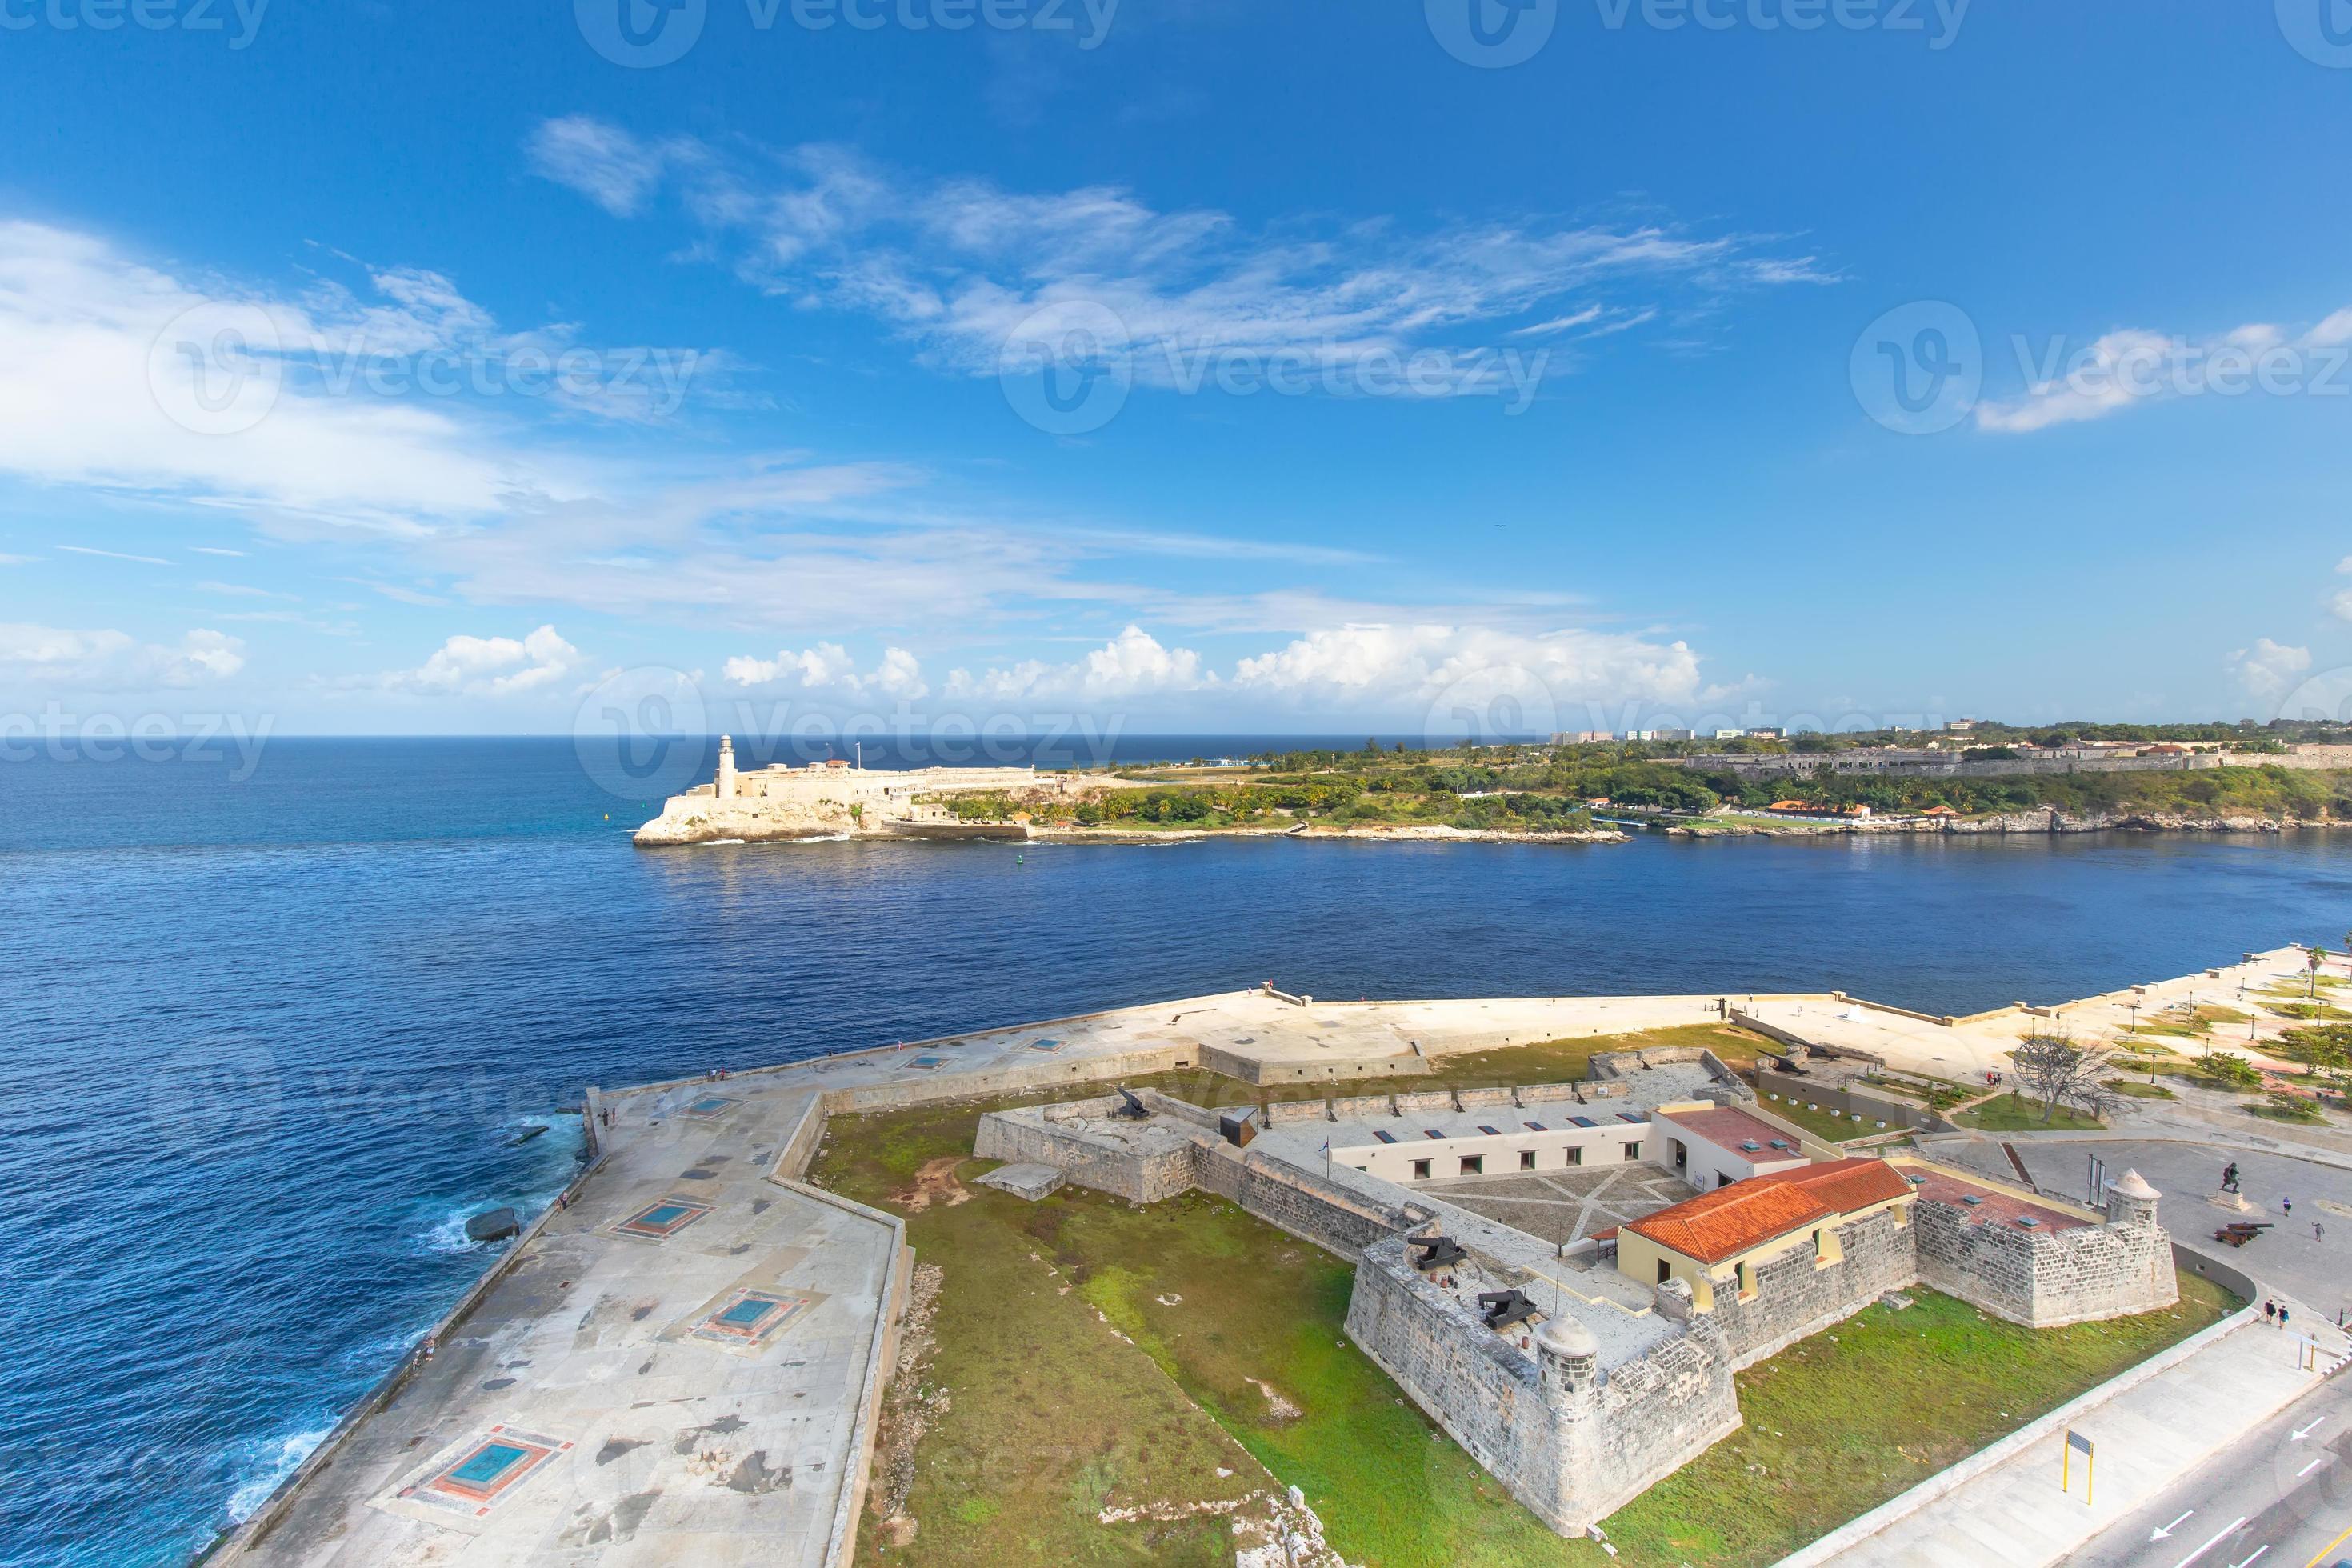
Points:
(2056, 1070)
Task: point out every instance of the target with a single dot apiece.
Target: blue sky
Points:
(1206, 365)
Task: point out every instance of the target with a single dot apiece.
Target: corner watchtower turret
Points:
(1567, 1359)
(2131, 1201)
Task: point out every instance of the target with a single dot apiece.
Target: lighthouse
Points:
(725, 785)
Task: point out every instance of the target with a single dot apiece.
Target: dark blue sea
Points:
(274, 1024)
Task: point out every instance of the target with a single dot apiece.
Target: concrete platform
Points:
(1025, 1180)
(676, 1369)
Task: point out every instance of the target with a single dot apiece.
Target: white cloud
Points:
(214, 550)
(2268, 668)
(490, 666)
(2133, 366)
(1132, 664)
(828, 667)
(603, 162)
(1424, 663)
(957, 266)
(114, 660)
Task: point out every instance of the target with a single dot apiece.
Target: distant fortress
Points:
(835, 799)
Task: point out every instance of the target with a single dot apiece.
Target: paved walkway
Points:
(2148, 1437)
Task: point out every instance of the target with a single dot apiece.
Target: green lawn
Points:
(1821, 1124)
(2134, 1088)
(1845, 1420)
(2012, 1113)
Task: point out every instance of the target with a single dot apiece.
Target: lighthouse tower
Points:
(725, 785)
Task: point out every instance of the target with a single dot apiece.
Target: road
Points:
(2282, 1497)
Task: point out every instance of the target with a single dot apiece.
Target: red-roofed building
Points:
(1722, 1237)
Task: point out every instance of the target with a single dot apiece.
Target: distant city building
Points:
(1581, 737)
(1960, 726)
(1659, 735)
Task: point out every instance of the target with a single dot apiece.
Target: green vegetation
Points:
(2285, 1105)
(2133, 1089)
(2012, 1112)
(1821, 1124)
(1234, 1356)
(2223, 1070)
(1847, 1419)
(1542, 788)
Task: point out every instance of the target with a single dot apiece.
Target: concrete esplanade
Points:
(683, 1359)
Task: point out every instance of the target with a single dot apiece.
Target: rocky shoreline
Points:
(2040, 821)
(710, 826)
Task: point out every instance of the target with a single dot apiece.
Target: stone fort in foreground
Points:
(1580, 1373)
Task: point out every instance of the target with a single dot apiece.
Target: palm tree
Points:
(2314, 958)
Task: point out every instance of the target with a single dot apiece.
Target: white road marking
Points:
(2162, 1531)
(2221, 1535)
(2311, 1466)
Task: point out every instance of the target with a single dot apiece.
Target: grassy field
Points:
(1849, 1419)
(1089, 1355)
(1821, 1124)
(2012, 1113)
(1096, 1354)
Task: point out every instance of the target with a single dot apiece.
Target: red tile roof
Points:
(1847, 1186)
(1993, 1207)
(1730, 1220)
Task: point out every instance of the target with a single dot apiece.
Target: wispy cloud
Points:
(109, 661)
(956, 266)
(112, 554)
(2134, 367)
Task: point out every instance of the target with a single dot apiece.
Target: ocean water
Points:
(273, 1031)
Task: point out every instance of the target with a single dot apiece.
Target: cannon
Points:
(1443, 1252)
(1505, 1308)
(1131, 1109)
(2237, 1233)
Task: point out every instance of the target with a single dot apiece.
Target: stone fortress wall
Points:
(1572, 1430)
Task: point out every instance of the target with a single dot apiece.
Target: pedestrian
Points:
(2282, 1314)
(2270, 1312)
(2287, 1205)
